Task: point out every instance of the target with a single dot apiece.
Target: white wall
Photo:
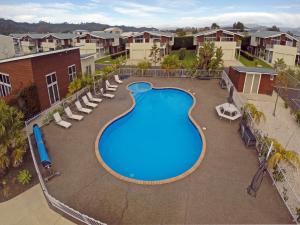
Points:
(7, 48)
(286, 52)
(90, 61)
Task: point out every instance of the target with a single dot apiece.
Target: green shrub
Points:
(49, 117)
(181, 54)
(24, 177)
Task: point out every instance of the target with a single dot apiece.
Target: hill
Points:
(10, 26)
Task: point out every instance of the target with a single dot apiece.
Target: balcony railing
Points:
(210, 39)
(227, 39)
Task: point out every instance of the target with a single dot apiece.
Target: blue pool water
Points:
(156, 140)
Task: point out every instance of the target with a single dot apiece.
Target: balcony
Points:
(227, 39)
(210, 39)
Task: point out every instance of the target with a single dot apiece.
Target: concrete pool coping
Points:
(158, 182)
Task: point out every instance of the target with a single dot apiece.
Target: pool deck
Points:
(214, 193)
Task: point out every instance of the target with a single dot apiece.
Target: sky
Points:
(155, 13)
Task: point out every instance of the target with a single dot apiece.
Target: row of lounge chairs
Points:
(89, 100)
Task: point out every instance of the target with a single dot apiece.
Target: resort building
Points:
(252, 80)
(98, 43)
(7, 48)
(140, 44)
(229, 41)
(33, 43)
(271, 45)
(80, 32)
(51, 72)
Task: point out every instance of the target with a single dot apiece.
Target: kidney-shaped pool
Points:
(156, 141)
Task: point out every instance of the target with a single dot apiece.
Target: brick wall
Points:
(20, 74)
(237, 79)
(266, 84)
(58, 63)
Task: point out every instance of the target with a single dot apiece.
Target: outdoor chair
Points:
(71, 115)
(88, 103)
(82, 109)
(106, 94)
(60, 122)
(93, 99)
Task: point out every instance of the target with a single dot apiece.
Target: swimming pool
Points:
(156, 141)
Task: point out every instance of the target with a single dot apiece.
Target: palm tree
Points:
(280, 65)
(279, 153)
(13, 144)
(257, 115)
(206, 52)
(154, 54)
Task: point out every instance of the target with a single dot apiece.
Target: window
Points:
(52, 88)
(5, 86)
(88, 70)
(72, 72)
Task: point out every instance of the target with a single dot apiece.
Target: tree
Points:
(209, 57)
(239, 26)
(274, 28)
(170, 63)
(279, 153)
(280, 65)
(13, 144)
(143, 65)
(180, 32)
(215, 26)
(257, 115)
(155, 54)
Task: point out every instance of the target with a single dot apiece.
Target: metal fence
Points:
(157, 72)
(284, 186)
(51, 200)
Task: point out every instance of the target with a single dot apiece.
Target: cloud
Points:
(50, 12)
(137, 10)
(262, 18)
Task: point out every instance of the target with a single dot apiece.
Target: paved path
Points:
(30, 208)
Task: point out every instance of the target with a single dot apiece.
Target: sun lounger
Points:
(93, 99)
(81, 109)
(106, 94)
(71, 115)
(60, 122)
(109, 88)
(117, 79)
(88, 103)
(110, 85)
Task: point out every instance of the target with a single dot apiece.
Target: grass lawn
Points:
(190, 56)
(259, 63)
(108, 60)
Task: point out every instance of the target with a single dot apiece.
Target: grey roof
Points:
(31, 35)
(160, 33)
(63, 36)
(266, 34)
(216, 30)
(104, 35)
(255, 70)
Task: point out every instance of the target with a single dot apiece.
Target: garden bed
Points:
(14, 187)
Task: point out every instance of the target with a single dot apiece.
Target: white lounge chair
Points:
(106, 94)
(117, 79)
(88, 103)
(109, 88)
(60, 122)
(71, 115)
(93, 99)
(110, 85)
(81, 109)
